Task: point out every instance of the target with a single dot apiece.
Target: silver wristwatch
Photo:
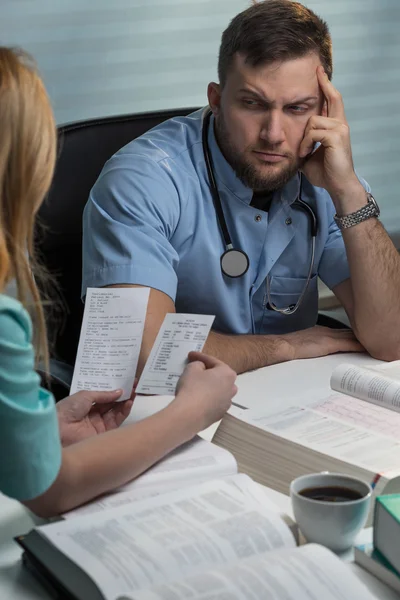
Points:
(371, 209)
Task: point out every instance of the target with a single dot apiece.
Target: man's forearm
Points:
(248, 352)
(375, 280)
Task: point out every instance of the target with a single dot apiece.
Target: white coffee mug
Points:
(332, 524)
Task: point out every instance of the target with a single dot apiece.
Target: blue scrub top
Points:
(30, 446)
(150, 220)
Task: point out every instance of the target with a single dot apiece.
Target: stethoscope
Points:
(234, 262)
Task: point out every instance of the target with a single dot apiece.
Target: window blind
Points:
(366, 47)
(101, 58)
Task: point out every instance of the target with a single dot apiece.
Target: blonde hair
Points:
(27, 157)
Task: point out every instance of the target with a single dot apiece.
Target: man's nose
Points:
(272, 131)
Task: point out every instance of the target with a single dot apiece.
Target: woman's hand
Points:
(205, 390)
(85, 414)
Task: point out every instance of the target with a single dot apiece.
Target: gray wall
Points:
(100, 58)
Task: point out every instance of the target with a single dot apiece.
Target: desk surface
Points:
(276, 384)
(283, 383)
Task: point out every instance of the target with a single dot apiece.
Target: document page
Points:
(359, 413)
(320, 427)
(190, 464)
(110, 340)
(168, 537)
(179, 335)
(372, 385)
(307, 573)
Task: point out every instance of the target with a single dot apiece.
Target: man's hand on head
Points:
(331, 166)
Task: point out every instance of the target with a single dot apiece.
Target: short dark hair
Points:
(274, 30)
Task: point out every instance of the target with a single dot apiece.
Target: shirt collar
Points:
(226, 176)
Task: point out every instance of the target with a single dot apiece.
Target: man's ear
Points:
(214, 96)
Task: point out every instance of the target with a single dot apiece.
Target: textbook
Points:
(220, 539)
(353, 431)
(372, 560)
(387, 528)
(190, 464)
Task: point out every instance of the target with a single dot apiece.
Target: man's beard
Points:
(246, 171)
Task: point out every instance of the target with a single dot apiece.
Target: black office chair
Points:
(84, 147)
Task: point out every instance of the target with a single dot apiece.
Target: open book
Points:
(190, 464)
(377, 385)
(355, 431)
(221, 539)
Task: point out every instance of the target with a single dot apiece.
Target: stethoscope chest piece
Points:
(234, 263)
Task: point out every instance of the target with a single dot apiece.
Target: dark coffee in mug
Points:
(333, 493)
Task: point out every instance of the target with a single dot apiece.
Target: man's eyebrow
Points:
(256, 94)
(302, 100)
(267, 101)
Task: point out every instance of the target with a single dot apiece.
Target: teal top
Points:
(30, 447)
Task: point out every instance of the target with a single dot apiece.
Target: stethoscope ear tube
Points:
(234, 263)
(213, 183)
(292, 307)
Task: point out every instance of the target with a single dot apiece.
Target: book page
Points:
(315, 427)
(357, 412)
(372, 385)
(179, 334)
(390, 369)
(307, 573)
(169, 537)
(110, 339)
(190, 464)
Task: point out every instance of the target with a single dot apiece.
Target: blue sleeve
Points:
(334, 267)
(128, 222)
(30, 447)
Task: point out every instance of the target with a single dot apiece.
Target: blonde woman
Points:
(35, 468)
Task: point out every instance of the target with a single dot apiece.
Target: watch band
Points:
(371, 209)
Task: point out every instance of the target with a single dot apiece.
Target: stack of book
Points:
(353, 430)
(382, 557)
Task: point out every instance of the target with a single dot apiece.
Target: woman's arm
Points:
(99, 464)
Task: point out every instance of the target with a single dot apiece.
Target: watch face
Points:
(372, 200)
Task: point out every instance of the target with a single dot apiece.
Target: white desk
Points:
(16, 583)
(276, 384)
(281, 384)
